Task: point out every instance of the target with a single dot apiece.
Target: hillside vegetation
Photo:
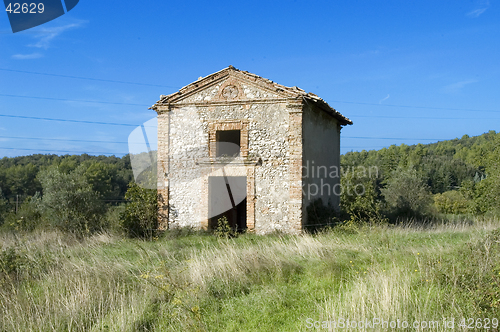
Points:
(420, 243)
(434, 181)
(185, 281)
(78, 194)
(86, 194)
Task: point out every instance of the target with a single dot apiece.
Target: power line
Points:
(417, 117)
(115, 142)
(67, 120)
(359, 116)
(362, 147)
(395, 138)
(176, 87)
(63, 139)
(420, 107)
(74, 100)
(65, 151)
(86, 78)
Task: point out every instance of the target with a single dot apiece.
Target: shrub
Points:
(451, 202)
(319, 215)
(3, 207)
(223, 229)
(406, 193)
(113, 218)
(360, 200)
(140, 218)
(11, 263)
(487, 193)
(28, 217)
(70, 203)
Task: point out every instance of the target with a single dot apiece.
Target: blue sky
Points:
(404, 72)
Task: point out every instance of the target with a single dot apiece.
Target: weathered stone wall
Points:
(284, 139)
(321, 159)
(187, 147)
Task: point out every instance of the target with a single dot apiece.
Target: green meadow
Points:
(192, 281)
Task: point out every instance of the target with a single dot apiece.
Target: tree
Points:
(359, 200)
(69, 201)
(103, 178)
(141, 212)
(108, 175)
(406, 193)
(452, 201)
(20, 180)
(3, 207)
(487, 198)
(28, 217)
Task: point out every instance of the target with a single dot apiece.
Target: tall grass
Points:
(195, 282)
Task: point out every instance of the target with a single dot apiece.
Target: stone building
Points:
(237, 145)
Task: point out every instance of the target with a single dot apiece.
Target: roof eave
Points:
(328, 109)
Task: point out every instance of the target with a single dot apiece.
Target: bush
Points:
(487, 191)
(451, 202)
(360, 201)
(28, 217)
(320, 216)
(70, 203)
(11, 263)
(3, 207)
(113, 217)
(140, 218)
(223, 230)
(407, 194)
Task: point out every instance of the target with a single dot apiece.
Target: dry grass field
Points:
(191, 281)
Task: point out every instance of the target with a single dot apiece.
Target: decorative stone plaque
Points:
(230, 92)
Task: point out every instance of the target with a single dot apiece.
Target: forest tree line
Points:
(438, 180)
(80, 194)
(84, 194)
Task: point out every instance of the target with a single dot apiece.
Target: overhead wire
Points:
(67, 120)
(117, 142)
(399, 138)
(65, 151)
(73, 100)
(86, 78)
(63, 139)
(358, 116)
(416, 117)
(177, 87)
(419, 107)
(144, 105)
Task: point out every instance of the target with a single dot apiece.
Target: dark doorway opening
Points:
(227, 198)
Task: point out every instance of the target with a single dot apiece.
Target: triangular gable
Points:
(227, 84)
(231, 84)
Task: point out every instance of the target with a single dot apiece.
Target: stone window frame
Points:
(215, 126)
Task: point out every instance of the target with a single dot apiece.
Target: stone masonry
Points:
(281, 131)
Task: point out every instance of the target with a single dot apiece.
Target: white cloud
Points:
(483, 5)
(46, 35)
(456, 87)
(35, 55)
(383, 99)
(476, 12)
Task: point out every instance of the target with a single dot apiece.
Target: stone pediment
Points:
(231, 85)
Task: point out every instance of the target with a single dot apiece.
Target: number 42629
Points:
(25, 8)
